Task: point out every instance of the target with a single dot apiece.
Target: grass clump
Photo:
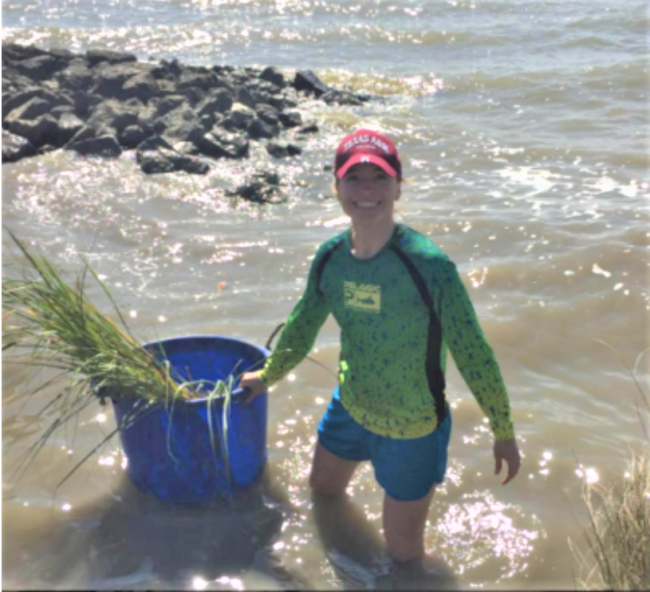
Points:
(49, 324)
(617, 535)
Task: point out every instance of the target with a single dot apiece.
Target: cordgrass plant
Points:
(617, 535)
(48, 324)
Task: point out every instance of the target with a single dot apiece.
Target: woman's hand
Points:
(507, 450)
(252, 382)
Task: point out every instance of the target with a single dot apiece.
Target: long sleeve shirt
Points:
(384, 327)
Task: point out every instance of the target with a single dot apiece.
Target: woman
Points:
(400, 304)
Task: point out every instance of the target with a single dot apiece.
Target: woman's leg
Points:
(404, 524)
(330, 474)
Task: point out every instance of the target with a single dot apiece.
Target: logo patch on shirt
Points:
(362, 296)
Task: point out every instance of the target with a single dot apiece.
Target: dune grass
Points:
(616, 553)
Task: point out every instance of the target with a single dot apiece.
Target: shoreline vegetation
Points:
(614, 553)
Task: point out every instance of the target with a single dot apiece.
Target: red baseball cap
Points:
(367, 146)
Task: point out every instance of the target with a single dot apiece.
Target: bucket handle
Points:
(242, 392)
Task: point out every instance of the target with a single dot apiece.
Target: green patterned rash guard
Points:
(384, 329)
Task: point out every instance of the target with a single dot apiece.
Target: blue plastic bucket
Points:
(169, 449)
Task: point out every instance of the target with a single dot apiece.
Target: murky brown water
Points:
(531, 172)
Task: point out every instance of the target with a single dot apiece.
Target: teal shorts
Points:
(406, 469)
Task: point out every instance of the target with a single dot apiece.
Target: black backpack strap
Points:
(435, 376)
(323, 261)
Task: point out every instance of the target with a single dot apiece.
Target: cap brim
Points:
(366, 159)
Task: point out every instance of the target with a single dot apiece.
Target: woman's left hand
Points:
(507, 450)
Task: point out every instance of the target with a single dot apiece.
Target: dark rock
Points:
(268, 114)
(30, 110)
(156, 155)
(97, 56)
(110, 79)
(208, 121)
(259, 129)
(106, 146)
(169, 103)
(76, 76)
(165, 69)
(308, 82)
(245, 97)
(57, 112)
(263, 188)
(16, 100)
(13, 82)
(222, 144)
(338, 97)
(274, 76)
(281, 102)
(239, 118)
(41, 68)
(206, 81)
(142, 87)
(113, 114)
(219, 102)
(39, 131)
(12, 53)
(14, 148)
(68, 126)
(187, 148)
(283, 149)
(180, 124)
(290, 119)
(85, 133)
(310, 128)
(85, 102)
(131, 137)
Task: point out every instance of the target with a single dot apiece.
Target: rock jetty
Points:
(176, 117)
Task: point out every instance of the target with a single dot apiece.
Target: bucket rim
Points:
(206, 337)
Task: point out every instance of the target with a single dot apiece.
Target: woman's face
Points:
(367, 194)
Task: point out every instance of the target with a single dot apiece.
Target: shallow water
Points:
(523, 130)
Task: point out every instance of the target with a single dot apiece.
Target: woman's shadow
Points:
(132, 540)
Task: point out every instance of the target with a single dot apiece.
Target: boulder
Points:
(180, 124)
(77, 76)
(283, 149)
(14, 147)
(98, 56)
(290, 119)
(30, 110)
(219, 143)
(307, 81)
(156, 155)
(262, 188)
(60, 110)
(131, 137)
(310, 128)
(341, 97)
(274, 76)
(39, 131)
(238, 118)
(110, 79)
(113, 114)
(169, 103)
(259, 130)
(41, 68)
(142, 87)
(13, 52)
(205, 81)
(15, 100)
(218, 102)
(68, 126)
(268, 114)
(105, 146)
